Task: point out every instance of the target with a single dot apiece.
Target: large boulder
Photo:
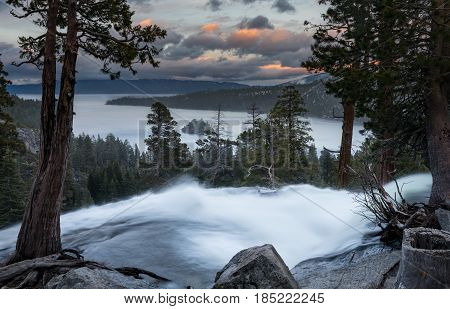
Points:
(425, 260)
(366, 267)
(87, 278)
(443, 216)
(256, 268)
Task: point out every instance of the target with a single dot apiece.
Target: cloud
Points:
(146, 22)
(267, 41)
(254, 50)
(283, 6)
(211, 27)
(259, 22)
(214, 5)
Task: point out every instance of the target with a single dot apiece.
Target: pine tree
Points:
(11, 185)
(214, 155)
(101, 29)
(313, 168)
(290, 134)
(342, 48)
(166, 150)
(328, 168)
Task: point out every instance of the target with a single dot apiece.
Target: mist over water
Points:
(188, 232)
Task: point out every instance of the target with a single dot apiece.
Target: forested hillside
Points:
(140, 86)
(318, 102)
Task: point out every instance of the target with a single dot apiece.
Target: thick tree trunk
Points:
(28, 243)
(345, 155)
(40, 231)
(437, 122)
(425, 262)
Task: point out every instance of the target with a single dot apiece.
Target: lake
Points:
(94, 117)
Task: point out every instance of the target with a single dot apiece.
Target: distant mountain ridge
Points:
(308, 79)
(318, 102)
(150, 86)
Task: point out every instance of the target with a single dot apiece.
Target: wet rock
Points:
(366, 267)
(425, 260)
(87, 278)
(256, 268)
(443, 216)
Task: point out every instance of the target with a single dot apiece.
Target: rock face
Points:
(367, 267)
(30, 138)
(443, 217)
(425, 260)
(87, 278)
(256, 268)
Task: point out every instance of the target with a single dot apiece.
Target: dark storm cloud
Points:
(259, 22)
(256, 36)
(283, 6)
(214, 4)
(172, 37)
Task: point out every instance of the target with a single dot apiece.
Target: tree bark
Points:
(437, 127)
(40, 233)
(387, 166)
(345, 155)
(425, 262)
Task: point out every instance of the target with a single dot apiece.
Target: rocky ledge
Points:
(68, 270)
(367, 267)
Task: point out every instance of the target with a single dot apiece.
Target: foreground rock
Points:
(367, 267)
(68, 270)
(256, 268)
(87, 278)
(425, 260)
(443, 217)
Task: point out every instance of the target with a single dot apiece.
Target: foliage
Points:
(11, 186)
(197, 127)
(166, 152)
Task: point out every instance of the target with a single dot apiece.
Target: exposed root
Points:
(38, 272)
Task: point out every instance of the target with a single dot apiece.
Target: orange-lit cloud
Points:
(212, 27)
(246, 34)
(277, 67)
(146, 22)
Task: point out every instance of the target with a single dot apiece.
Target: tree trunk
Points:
(40, 233)
(437, 126)
(345, 156)
(387, 166)
(425, 262)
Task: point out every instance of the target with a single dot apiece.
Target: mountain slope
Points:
(318, 102)
(141, 86)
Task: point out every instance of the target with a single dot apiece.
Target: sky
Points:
(257, 42)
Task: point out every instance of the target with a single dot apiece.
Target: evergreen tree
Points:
(328, 168)
(214, 155)
(165, 148)
(101, 29)
(11, 186)
(291, 134)
(313, 168)
(342, 48)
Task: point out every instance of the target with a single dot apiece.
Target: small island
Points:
(196, 127)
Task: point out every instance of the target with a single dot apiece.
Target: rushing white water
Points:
(187, 232)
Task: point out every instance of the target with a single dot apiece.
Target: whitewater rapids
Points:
(188, 232)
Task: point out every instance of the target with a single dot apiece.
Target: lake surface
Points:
(93, 117)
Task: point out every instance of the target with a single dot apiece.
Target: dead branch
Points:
(392, 214)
